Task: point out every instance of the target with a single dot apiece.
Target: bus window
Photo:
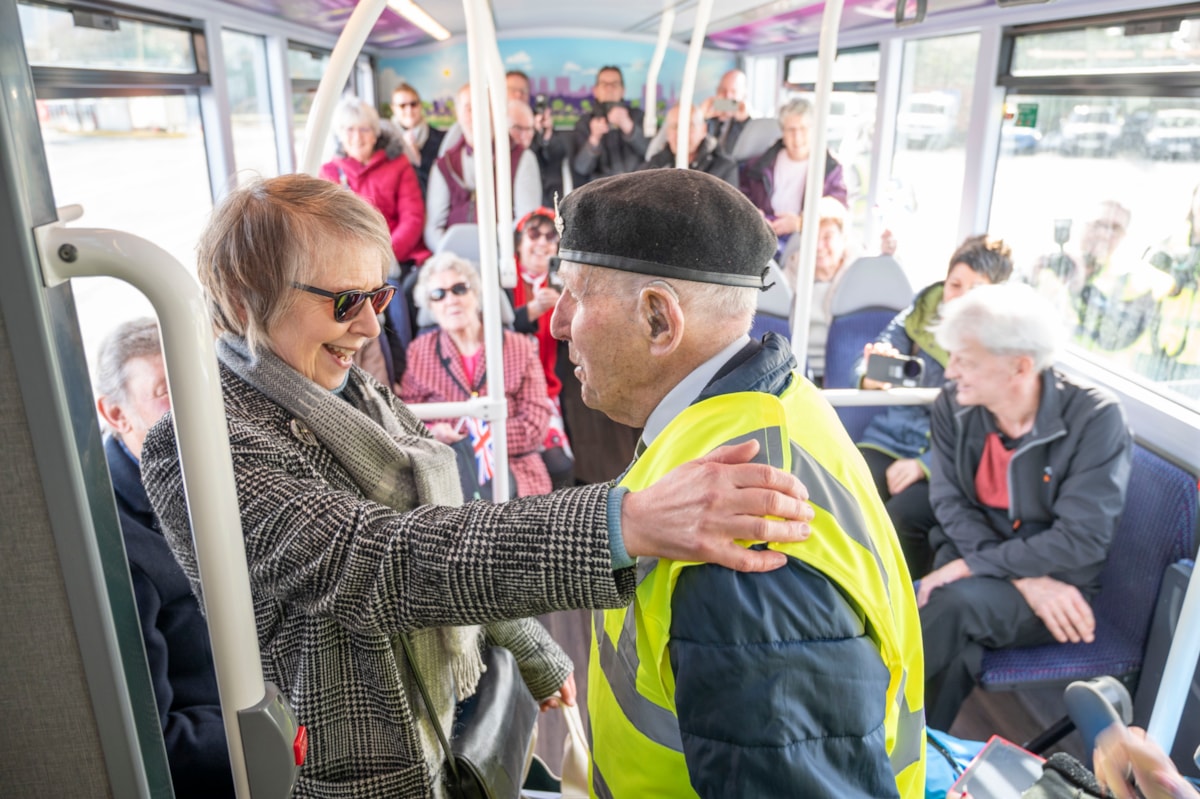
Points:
(1095, 190)
(254, 150)
(921, 202)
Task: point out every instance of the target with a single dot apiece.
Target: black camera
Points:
(899, 371)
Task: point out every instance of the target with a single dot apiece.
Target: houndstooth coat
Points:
(335, 576)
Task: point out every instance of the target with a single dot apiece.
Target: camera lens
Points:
(912, 369)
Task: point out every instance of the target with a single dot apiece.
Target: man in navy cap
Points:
(806, 681)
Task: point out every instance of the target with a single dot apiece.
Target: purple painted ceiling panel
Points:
(799, 23)
(330, 16)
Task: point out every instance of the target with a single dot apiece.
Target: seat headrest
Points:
(755, 138)
(876, 281)
(779, 298)
(462, 240)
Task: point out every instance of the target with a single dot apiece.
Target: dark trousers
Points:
(910, 512)
(961, 620)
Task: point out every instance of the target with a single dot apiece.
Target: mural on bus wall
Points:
(563, 69)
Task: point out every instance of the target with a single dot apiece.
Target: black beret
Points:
(673, 223)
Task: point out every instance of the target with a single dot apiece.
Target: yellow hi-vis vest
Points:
(636, 746)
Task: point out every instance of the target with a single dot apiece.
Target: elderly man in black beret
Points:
(806, 681)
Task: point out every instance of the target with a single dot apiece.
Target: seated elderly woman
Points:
(450, 365)
(373, 164)
(896, 443)
(1029, 476)
(351, 512)
(775, 181)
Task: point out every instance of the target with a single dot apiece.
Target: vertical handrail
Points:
(341, 61)
(498, 91)
(665, 25)
(688, 90)
(485, 211)
(1179, 671)
(198, 411)
(814, 183)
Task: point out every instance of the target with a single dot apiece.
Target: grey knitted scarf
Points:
(393, 467)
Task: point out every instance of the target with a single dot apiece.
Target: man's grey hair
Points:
(445, 262)
(137, 338)
(1004, 319)
(797, 106)
(718, 305)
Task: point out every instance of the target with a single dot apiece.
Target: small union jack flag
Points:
(485, 454)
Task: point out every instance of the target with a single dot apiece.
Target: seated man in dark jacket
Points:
(703, 152)
(132, 396)
(805, 681)
(1028, 478)
(609, 139)
(409, 117)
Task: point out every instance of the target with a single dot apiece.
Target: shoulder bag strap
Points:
(437, 726)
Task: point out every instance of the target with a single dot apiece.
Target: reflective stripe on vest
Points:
(635, 731)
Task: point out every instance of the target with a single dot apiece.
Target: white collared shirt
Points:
(687, 389)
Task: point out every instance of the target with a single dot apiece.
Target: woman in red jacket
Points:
(372, 162)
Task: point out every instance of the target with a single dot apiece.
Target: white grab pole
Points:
(688, 91)
(854, 397)
(815, 183)
(485, 212)
(194, 385)
(498, 89)
(341, 61)
(1179, 671)
(665, 25)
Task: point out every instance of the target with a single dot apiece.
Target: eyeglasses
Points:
(409, 104)
(347, 304)
(458, 289)
(550, 236)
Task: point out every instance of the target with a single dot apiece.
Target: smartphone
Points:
(724, 105)
(1001, 770)
(901, 371)
(1062, 231)
(552, 277)
(539, 104)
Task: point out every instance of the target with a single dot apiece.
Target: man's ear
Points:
(1025, 365)
(659, 310)
(114, 415)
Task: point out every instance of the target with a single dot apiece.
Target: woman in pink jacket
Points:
(372, 162)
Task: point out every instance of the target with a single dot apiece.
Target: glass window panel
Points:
(307, 64)
(254, 145)
(920, 202)
(1124, 280)
(1157, 46)
(136, 164)
(53, 40)
(855, 66)
(306, 68)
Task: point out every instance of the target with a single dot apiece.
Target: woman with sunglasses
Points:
(375, 165)
(449, 365)
(351, 512)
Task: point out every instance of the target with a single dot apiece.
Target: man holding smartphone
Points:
(726, 113)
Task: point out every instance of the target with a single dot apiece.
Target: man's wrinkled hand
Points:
(1061, 607)
(698, 511)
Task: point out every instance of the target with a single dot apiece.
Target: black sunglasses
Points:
(458, 289)
(347, 304)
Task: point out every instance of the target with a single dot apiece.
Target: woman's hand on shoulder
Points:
(698, 510)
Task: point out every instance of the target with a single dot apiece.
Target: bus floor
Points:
(1018, 716)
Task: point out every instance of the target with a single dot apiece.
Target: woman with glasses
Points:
(351, 511)
(449, 365)
(375, 165)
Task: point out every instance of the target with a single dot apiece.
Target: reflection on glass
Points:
(1109, 49)
(53, 40)
(1112, 241)
(254, 149)
(920, 202)
(136, 164)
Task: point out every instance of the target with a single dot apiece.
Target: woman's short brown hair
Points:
(272, 233)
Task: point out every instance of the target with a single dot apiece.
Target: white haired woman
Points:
(774, 181)
(373, 164)
(1029, 476)
(449, 365)
(351, 512)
